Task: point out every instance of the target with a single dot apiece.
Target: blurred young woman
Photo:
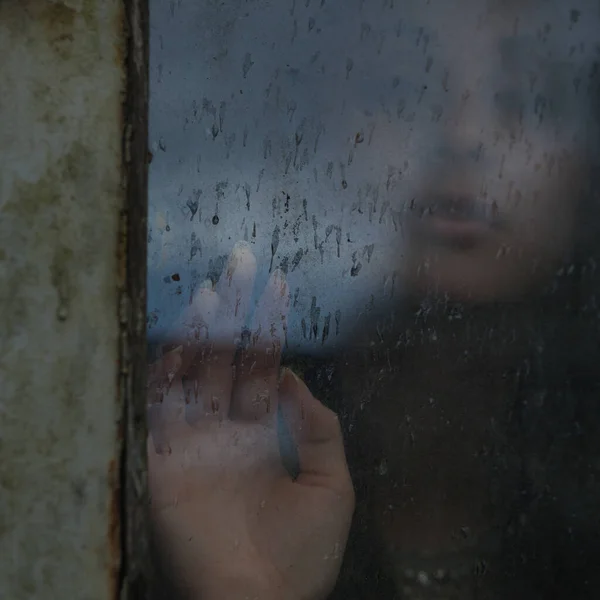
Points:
(473, 441)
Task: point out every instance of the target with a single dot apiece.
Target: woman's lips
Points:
(458, 221)
(457, 227)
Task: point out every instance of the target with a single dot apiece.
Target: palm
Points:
(225, 504)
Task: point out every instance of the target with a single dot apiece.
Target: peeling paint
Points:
(61, 197)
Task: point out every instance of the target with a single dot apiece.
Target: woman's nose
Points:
(460, 139)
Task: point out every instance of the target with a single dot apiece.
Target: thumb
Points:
(315, 430)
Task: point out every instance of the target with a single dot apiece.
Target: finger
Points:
(315, 431)
(158, 432)
(167, 396)
(234, 290)
(164, 386)
(209, 380)
(193, 328)
(215, 314)
(164, 481)
(257, 365)
(164, 398)
(154, 464)
(201, 386)
(208, 388)
(161, 375)
(198, 325)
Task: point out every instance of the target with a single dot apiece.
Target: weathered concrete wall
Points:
(63, 75)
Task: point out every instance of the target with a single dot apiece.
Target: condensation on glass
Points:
(419, 180)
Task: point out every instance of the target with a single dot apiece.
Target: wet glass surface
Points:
(398, 201)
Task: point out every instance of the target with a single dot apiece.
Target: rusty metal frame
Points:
(134, 579)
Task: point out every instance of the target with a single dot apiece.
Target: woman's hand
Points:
(234, 523)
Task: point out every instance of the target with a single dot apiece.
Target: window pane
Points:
(399, 202)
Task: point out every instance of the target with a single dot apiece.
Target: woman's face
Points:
(493, 212)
